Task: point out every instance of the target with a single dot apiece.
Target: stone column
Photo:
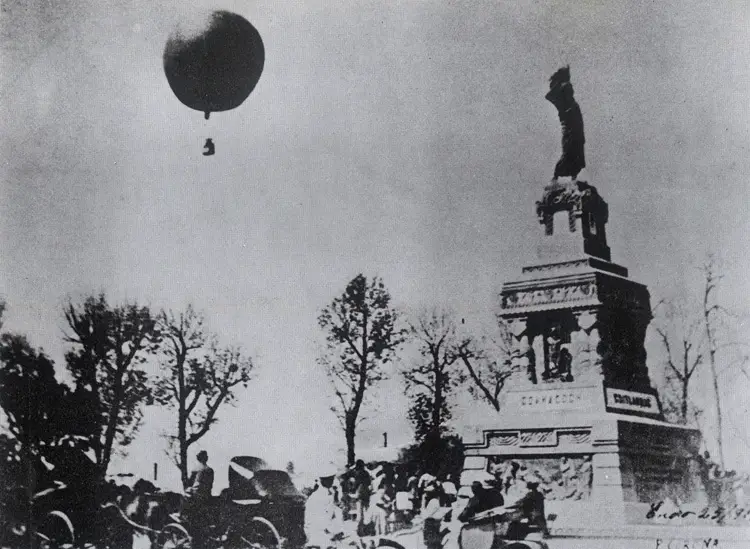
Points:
(520, 349)
(537, 345)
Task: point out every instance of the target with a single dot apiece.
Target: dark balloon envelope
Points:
(216, 69)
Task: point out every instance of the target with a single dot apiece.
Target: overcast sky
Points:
(402, 139)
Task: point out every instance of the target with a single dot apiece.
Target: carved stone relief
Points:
(560, 478)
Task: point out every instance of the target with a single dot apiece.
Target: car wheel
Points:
(261, 535)
(175, 537)
(56, 530)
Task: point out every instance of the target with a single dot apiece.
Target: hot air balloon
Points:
(215, 65)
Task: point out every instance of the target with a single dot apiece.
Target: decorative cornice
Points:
(575, 291)
(575, 264)
(564, 294)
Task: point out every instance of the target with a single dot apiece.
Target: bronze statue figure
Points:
(560, 95)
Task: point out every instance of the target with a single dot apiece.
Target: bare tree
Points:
(430, 381)
(724, 352)
(487, 364)
(361, 338)
(199, 377)
(681, 338)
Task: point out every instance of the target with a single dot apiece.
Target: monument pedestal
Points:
(580, 413)
(606, 467)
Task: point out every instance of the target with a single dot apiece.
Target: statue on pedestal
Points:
(560, 95)
(564, 363)
(558, 362)
(554, 342)
(531, 365)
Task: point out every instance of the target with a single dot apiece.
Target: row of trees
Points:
(364, 332)
(109, 348)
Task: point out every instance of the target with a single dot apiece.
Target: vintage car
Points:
(490, 530)
(260, 509)
(254, 489)
(57, 504)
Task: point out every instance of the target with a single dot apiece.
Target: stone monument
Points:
(580, 412)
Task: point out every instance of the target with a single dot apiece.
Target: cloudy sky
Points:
(402, 139)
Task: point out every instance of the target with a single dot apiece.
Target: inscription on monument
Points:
(560, 399)
(632, 401)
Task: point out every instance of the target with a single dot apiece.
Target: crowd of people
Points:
(380, 499)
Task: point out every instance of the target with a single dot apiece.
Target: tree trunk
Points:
(90, 379)
(350, 431)
(111, 431)
(719, 428)
(182, 460)
(183, 463)
(437, 405)
(684, 403)
(710, 337)
(353, 413)
(182, 420)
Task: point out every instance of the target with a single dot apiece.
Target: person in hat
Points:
(432, 514)
(484, 498)
(530, 510)
(198, 498)
(381, 504)
(201, 480)
(449, 491)
(319, 516)
(362, 492)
